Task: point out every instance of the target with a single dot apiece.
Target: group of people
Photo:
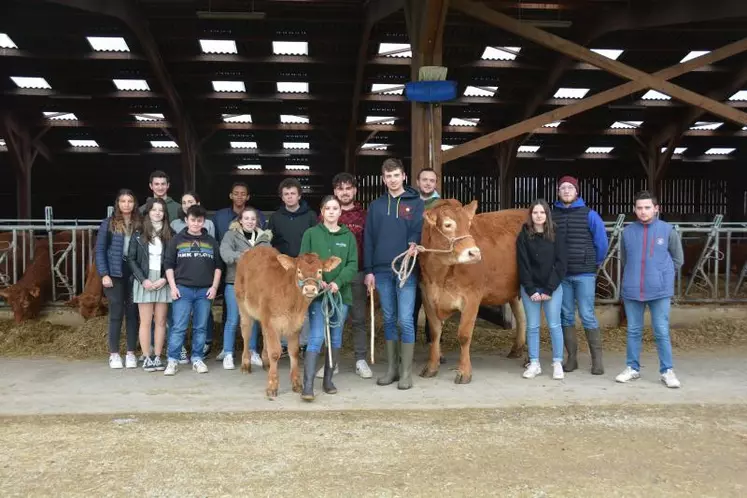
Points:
(163, 264)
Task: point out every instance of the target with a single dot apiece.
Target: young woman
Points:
(542, 264)
(112, 242)
(326, 239)
(179, 224)
(242, 235)
(150, 290)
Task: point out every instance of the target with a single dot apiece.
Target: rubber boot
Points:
(327, 384)
(392, 356)
(309, 369)
(570, 341)
(594, 338)
(405, 365)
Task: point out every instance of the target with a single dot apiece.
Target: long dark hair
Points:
(118, 223)
(549, 228)
(149, 233)
(194, 195)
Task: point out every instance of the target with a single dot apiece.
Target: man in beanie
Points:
(583, 231)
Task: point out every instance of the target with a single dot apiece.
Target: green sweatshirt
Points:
(342, 244)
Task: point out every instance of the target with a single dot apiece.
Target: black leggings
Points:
(121, 306)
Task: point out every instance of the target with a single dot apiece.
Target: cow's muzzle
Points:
(469, 255)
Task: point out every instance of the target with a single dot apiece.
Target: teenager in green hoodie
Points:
(326, 239)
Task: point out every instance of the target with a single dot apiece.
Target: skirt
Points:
(140, 295)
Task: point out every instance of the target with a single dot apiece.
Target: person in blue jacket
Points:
(393, 225)
(223, 218)
(650, 252)
(586, 244)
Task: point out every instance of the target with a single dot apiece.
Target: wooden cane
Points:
(373, 328)
(329, 342)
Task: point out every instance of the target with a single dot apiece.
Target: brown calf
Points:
(25, 297)
(277, 290)
(91, 302)
(478, 267)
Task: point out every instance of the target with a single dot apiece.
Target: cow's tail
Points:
(520, 339)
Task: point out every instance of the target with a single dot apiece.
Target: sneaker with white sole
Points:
(228, 362)
(256, 359)
(115, 361)
(149, 365)
(130, 360)
(670, 380)
(533, 370)
(627, 375)
(320, 372)
(199, 367)
(158, 364)
(220, 356)
(557, 370)
(183, 358)
(363, 370)
(171, 367)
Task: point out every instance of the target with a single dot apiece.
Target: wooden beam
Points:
(590, 102)
(576, 51)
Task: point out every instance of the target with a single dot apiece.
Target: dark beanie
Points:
(569, 179)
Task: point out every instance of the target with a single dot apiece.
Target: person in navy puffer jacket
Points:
(651, 253)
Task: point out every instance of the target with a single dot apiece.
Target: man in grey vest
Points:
(583, 231)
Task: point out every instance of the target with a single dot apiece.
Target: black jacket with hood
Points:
(287, 228)
(542, 262)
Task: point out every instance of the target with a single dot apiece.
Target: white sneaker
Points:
(228, 362)
(115, 361)
(171, 367)
(362, 369)
(199, 367)
(320, 372)
(557, 370)
(183, 358)
(627, 375)
(220, 356)
(256, 359)
(532, 370)
(670, 379)
(130, 360)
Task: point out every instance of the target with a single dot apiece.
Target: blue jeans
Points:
(579, 289)
(232, 322)
(397, 305)
(193, 301)
(659, 309)
(552, 315)
(316, 327)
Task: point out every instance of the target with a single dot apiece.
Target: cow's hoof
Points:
(271, 394)
(514, 353)
(428, 373)
(246, 368)
(462, 378)
(297, 387)
(265, 365)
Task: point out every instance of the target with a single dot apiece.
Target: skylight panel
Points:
(229, 86)
(290, 48)
(626, 125)
(293, 87)
(599, 150)
(6, 42)
(480, 91)
(293, 119)
(395, 50)
(381, 120)
(108, 43)
(2, 145)
(250, 167)
(297, 167)
(446, 146)
(237, 118)
(374, 146)
(500, 53)
(30, 82)
(164, 144)
(529, 148)
(464, 121)
(705, 125)
(654, 95)
(571, 93)
(131, 85)
(60, 116)
(554, 124)
(693, 54)
(609, 53)
(677, 150)
(83, 143)
(719, 151)
(218, 47)
(740, 95)
(243, 145)
(150, 116)
(296, 145)
(387, 89)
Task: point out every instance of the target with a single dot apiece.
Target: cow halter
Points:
(315, 281)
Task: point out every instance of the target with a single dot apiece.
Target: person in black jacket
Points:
(542, 263)
(150, 290)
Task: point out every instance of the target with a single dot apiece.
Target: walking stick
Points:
(328, 338)
(373, 328)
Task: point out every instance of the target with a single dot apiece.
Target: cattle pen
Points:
(499, 99)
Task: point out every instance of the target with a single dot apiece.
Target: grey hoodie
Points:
(234, 244)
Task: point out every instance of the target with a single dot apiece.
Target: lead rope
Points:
(408, 262)
(331, 306)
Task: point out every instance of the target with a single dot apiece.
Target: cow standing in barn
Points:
(276, 290)
(470, 260)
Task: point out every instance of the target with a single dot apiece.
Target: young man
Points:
(651, 253)
(291, 220)
(193, 270)
(582, 230)
(223, 218)
(393, 225)
(159, 185)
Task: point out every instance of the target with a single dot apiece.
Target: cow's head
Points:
(446, 226)
(21, 300)
(309, 268)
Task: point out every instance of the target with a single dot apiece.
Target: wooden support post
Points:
(505, 154)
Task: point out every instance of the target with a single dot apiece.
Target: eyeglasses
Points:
(567, 189)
